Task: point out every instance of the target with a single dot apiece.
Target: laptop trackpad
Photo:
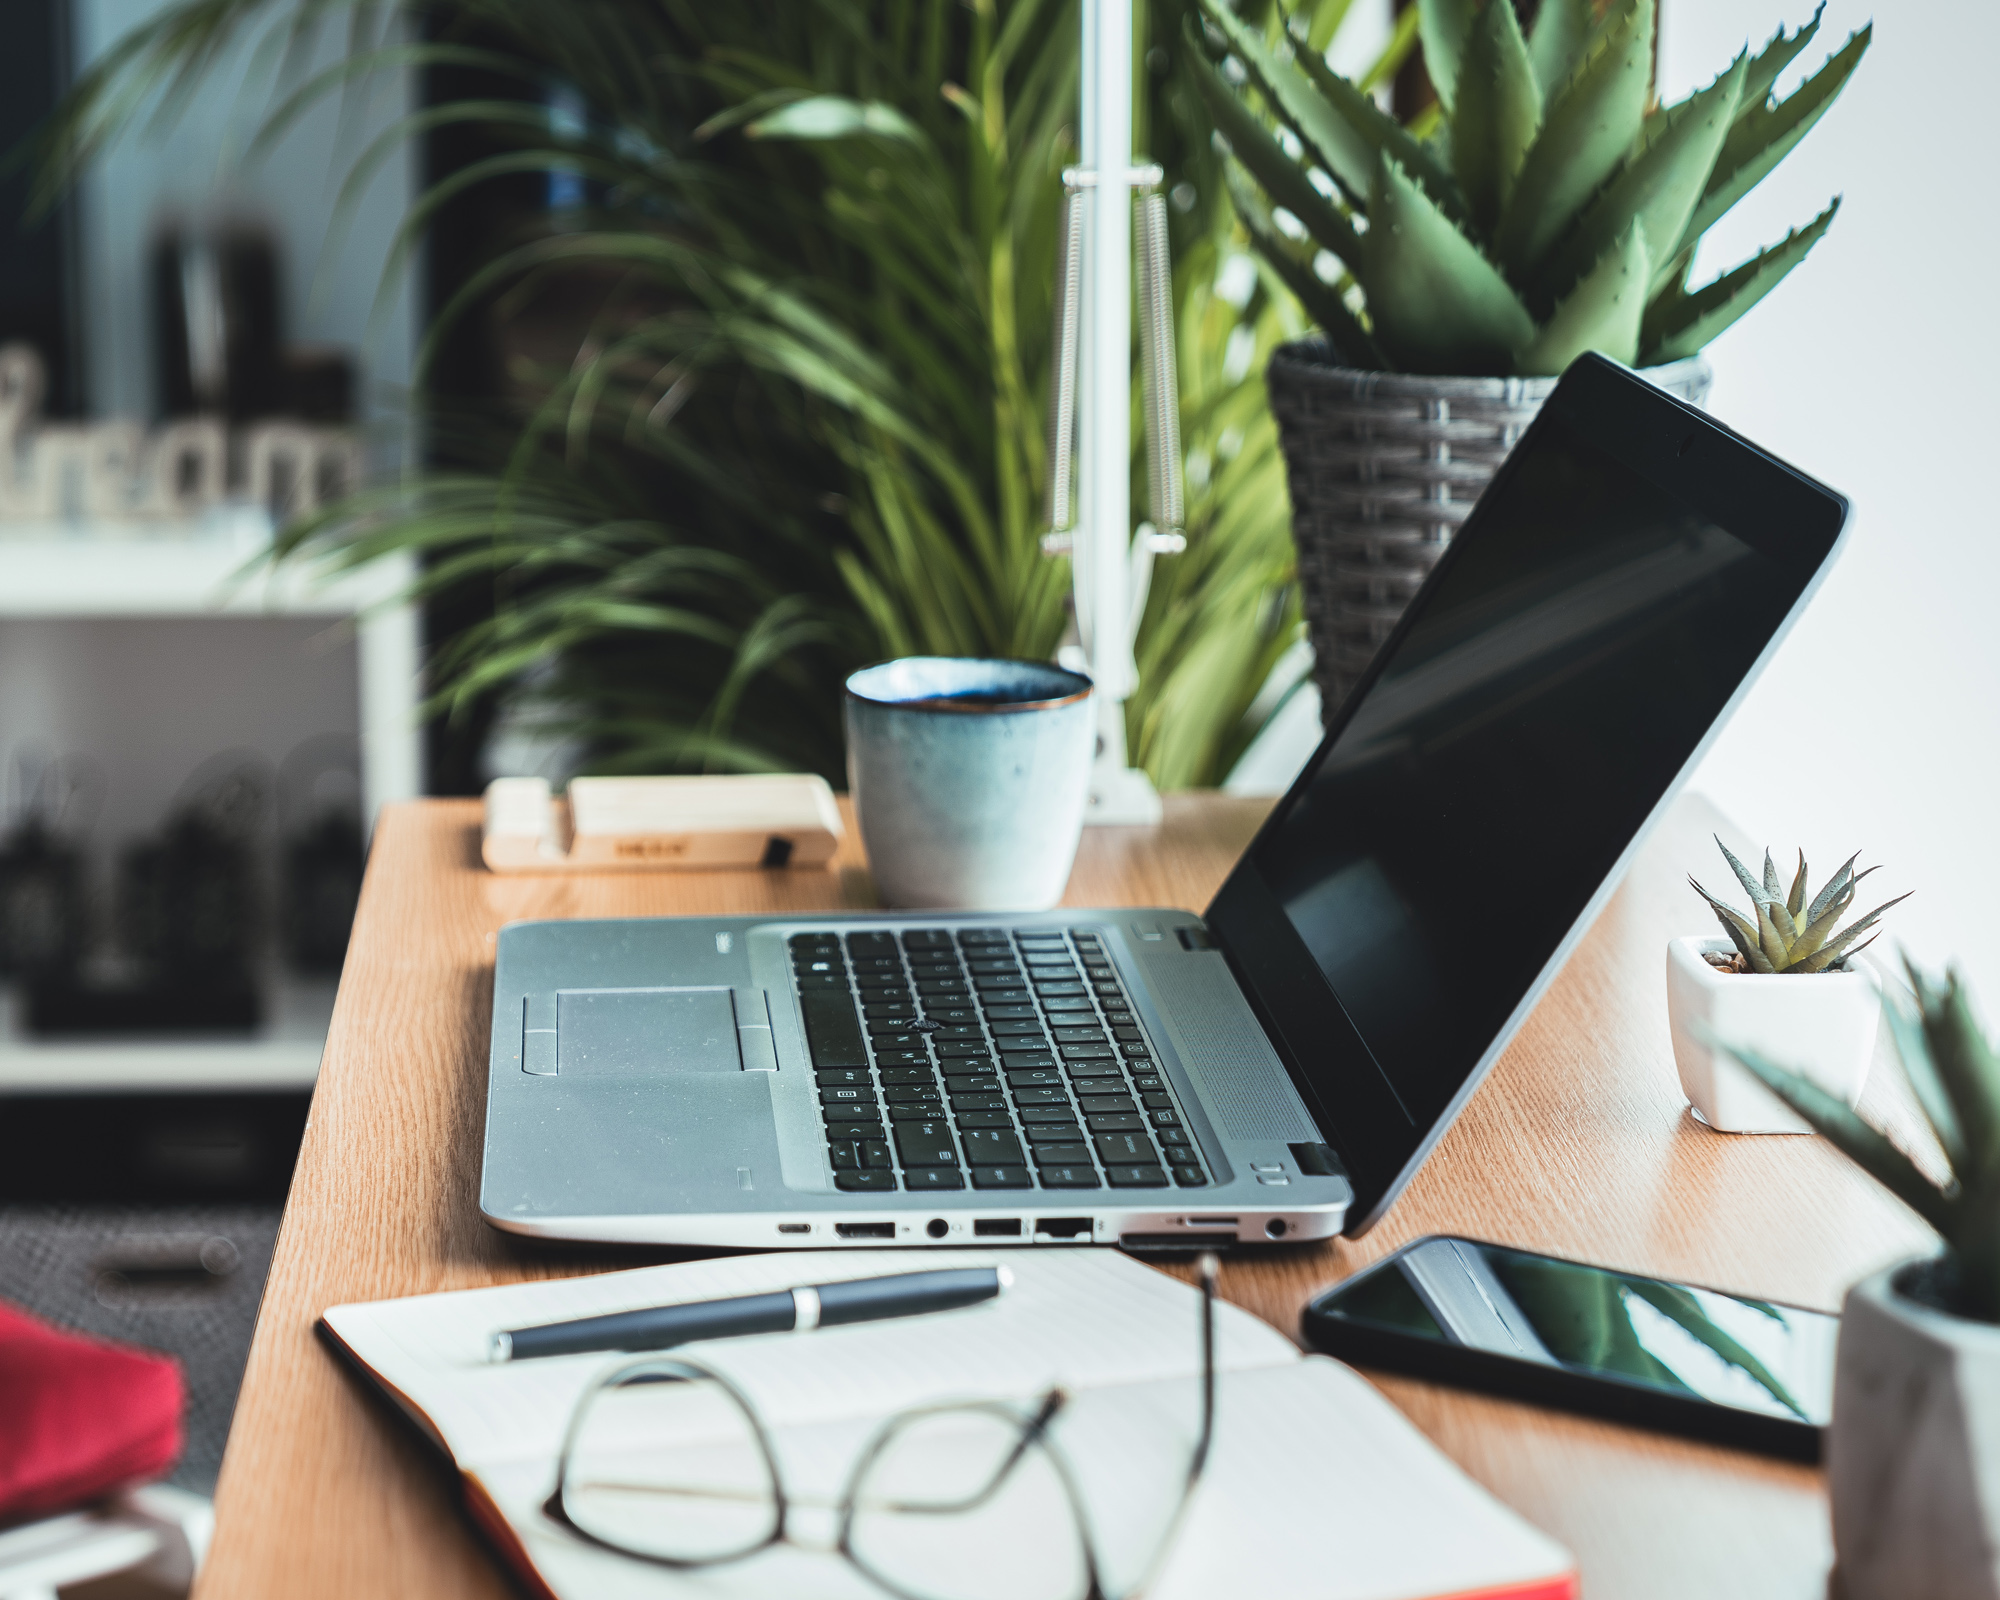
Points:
(644, 1033)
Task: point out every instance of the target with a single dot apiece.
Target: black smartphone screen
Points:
(1586, 1338)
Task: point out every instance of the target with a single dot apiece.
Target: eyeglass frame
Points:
(1033, 1433)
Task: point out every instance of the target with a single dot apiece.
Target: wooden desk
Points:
(1578, 1144)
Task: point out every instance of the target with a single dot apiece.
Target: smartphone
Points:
(1686, 1360)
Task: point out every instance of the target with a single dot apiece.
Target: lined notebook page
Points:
(1084, 1318)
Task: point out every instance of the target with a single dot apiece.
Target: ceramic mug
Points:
(969, 779)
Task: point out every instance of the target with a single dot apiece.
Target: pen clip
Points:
(805, 1307)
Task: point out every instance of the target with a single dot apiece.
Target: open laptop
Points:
(1276, 1069)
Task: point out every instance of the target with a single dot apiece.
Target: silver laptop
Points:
(1275, 1069)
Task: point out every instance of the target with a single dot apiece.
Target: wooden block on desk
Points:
(660, 824)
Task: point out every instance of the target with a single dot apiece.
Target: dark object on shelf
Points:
(64, 1007)
(188, 898)
(155, 1148)
(318, 383)
(322, 856)
(41, 902)
(185, 1280)
(215, 319)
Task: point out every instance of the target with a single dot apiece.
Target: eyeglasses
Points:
(666, 1461)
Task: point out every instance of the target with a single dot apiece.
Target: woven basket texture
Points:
(1383, 467)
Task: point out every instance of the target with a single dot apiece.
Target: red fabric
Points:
(79, 1417)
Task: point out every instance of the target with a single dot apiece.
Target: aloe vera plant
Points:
(1954, 1073)
(1552, 210)
(1785, 933)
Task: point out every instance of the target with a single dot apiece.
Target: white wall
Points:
(1874, 367)
(328, 294)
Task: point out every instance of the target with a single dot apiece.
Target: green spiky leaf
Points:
(1284, 180)
(1498, 111)
(1795, 901)
(1446, 28)
(1321, 300)
(1601, 313)
(1837, 885)
(1342, 129)
(1588, 127)
(1832, 951)
(1742, 933)
(1764, 135)
(1774, 58)
(1555, 44)
(1967, 1066)
(1758, 893)
(1680, 324)
(1926, 1082)
(1437, 303)
(1861, 1144)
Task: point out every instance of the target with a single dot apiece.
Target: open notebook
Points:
(1316, 1484)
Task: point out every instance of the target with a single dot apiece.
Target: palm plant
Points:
(805, 428)
(1552, 211)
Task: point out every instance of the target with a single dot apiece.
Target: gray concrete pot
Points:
(1913, 1457)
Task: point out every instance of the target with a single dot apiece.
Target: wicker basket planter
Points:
(1383, 467)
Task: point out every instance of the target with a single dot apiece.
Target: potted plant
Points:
(1749, 988)
(1547, 208)
(1913, 1457)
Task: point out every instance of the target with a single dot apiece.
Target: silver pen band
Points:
(805, 1309)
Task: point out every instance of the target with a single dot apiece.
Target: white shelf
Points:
(210, 567)
(283, 1054)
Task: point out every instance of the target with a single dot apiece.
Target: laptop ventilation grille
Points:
(1247, 1104)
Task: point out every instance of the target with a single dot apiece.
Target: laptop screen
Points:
(1554, 679)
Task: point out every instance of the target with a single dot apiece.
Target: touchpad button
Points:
(641, 1033)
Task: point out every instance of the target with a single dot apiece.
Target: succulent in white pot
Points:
(1785, 983)
(1913, 1455)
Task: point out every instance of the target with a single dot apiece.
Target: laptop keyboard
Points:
(1008, 1059)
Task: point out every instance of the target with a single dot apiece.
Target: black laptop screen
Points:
(1555, 677)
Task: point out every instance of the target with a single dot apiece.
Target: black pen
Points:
(820, 1305)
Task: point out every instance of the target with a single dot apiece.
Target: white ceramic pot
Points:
(1821, 1025)
(1913, 1457)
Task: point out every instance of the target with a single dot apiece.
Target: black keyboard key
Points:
(867, 1182)
(820, 983)
(1058, 991)
(1054, 1003)
(1109, 992)
(925, 1144)
(957, 1034)
(1034, 1078)
(890, 1011)
(1148, 1082)
(1165, 1119)
(1137, 1052)
(982, 936)
(997, 1011)
(979, 1102)
(842, 1078)
(1062, 1155)
(805, 968)
(1129, 1035)
(1091, 1102)
(1086, 1052)
(1028, 1027)
(1175, 1136)
(885, 1029)
(833, 1030)
(982, 1119)
(962, 1047)
(1189, 1177)
(1096, 1070)
(1081, 1177)
(926, 939)
(875, 1153)
(909, 1075)
(1124, 1149)
(1049, 1114)
(871, 944)
(846, 1155)
(972, 1083)
(1053, 1133)
(951, 1015)
(987, 982)
(1116, 1123)
(1148, 1177)
(993, 1147)
(901, 1058)
(813, 941)
(903, 1094)
(977, 964)
(942, 988)
(1001, 1178)
(1158, 1102)
(916, 1111)
(851, 1128)
(1026, 1058)
(1090, 1035)
(933, 1178)
(897, 1040)
(877, 964)
(851, 1096)
(1040, 1097)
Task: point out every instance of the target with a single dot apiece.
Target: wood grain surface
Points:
(1579, 1144)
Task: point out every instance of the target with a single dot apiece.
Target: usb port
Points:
(865, 1230)
(795, 1227)
(1211, 1222)
(1063, 1227)
(996, 1228)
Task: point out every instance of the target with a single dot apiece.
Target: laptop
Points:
(1274, 1069)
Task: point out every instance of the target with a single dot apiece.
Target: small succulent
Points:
(1785, 934)
(1955, 1075)
(1554, 208)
